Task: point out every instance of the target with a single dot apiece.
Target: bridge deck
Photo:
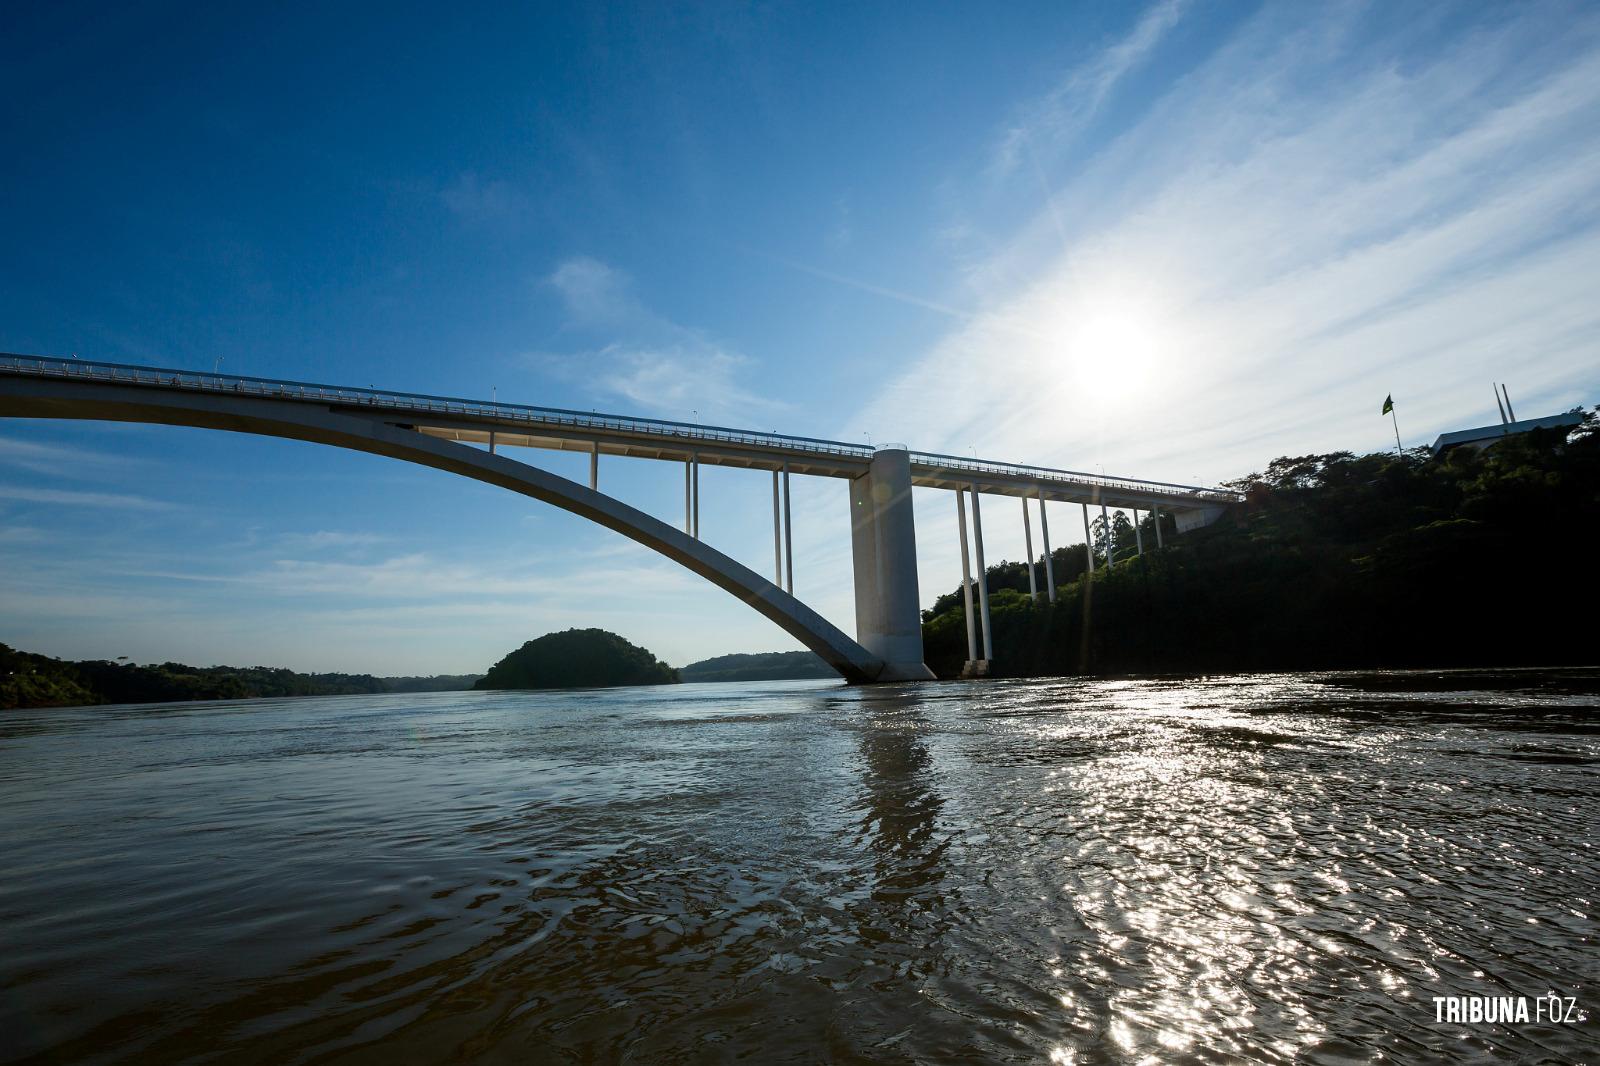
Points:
(473, 421)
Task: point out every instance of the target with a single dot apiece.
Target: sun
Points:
(1116, 353)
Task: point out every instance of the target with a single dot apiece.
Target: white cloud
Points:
(1061, 115)
(693, 380)
(1305, 222)
(1301, 224)
(593, 292)
(648, 362)
(72, 498)
(57, 460)
(330, 539)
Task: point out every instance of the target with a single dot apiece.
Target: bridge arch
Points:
(365, 431)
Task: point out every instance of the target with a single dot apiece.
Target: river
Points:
(1263, 868)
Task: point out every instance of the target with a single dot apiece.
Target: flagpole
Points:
(1397, 449)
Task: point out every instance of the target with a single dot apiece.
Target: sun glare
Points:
(1116, 353)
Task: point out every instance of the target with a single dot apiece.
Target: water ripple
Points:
(1266, 868)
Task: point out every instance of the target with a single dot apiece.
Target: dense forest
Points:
(759, 666)
(28, 680)
(1337, 560)
(577, 658)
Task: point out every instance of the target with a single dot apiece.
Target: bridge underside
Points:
(378, 433)
(925, 471)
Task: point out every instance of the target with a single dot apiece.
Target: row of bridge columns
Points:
(782, 536)
(975, 665)
(886, 574)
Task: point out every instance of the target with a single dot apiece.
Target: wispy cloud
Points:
(57, 460)
(679, 381)
(595, 293)
(330, 539)
(859, 285)
(648, 362)
(1055, 119)
(478, 201)
(70, 498)
(1311, 217)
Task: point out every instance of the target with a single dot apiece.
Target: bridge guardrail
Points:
(271, 388)
(1073, 477)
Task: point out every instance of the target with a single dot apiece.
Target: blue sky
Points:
(1170, 241)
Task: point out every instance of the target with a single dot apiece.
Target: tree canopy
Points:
(577, 658)
(1333, 560)
(29, 680)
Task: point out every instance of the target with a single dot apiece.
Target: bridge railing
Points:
(272, 388)
(533, 416)
(1076, 478)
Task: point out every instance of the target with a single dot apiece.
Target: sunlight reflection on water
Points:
(1264, 868)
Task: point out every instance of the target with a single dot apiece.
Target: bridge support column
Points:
(1027, 537)
(777, 535)
(884, 552)
(1088, 541)
(1111, 535)
(788, 533)
(1155, 513)
(966, 577)
(1138, 534)
(983, 578)
(1049, 564)
(594, 466)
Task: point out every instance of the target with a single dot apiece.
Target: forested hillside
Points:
(759, 666)
(28, 680)
(1337, 560)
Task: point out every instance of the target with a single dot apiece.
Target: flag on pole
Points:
(1388, 404)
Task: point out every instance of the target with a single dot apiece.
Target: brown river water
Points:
(1264, 868)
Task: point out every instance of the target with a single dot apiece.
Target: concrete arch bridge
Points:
(465, 437)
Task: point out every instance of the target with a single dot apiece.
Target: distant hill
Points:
(762, 666)
(29, 680)
(577, 658)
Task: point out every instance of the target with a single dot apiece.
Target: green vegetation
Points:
(762, 666)
(577, 658)
(28, 680)
(1332, 561)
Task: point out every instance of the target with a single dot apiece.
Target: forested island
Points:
(29, 680)
(577, 658)
(1332, 561)
(761, 666)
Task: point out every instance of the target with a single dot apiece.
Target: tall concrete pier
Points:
(884, 549)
